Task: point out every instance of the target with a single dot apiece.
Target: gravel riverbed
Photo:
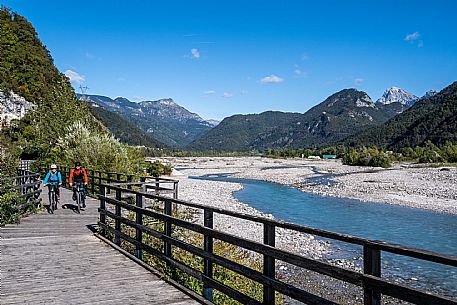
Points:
(405, 184)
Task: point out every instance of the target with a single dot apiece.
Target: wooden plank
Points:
(56, 259)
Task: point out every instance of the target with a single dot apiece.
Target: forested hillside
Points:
(237, 133)
(163, 120)
(58, 127)
(341, 114)
(122, 129)
(432, 119)
(27, 69)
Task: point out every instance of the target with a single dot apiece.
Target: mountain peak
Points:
(430, 93)
(397, 95)
(167, 101)
(162, 119)
(348, 97)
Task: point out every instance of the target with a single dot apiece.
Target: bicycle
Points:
(52, 198)
(80, 195)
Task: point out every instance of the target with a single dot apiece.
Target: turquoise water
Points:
(391, 223)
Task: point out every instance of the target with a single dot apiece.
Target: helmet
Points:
(77, 163)
(53, 166)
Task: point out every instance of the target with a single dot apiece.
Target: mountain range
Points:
(341, 115)
(432, 118)
(162, 120)
(123, 130)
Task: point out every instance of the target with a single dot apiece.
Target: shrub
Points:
(364, 156)
(431, 156)
(157, 169)
(8, 211)
(95, 150)
(381, 160)
(450, 152)
(9, 161)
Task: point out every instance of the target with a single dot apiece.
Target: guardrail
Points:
(373, 284)
(157, 185)
(27, 185)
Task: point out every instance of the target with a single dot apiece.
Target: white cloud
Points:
(300, 73)
(195, 53)
(304, 56)
(89, 55)
(244, 92)
(227, 95)
(271, 79)
(75, 77)
(209, 92)
(358, 81)
(413, 36)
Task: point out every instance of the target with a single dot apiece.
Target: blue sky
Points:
(219, 58)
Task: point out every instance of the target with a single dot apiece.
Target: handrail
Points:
(19, 177)
(96, 177)
(370, 280)
(384, 246)
(27, 186)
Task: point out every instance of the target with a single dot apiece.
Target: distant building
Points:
(328, 156)
(314, 157)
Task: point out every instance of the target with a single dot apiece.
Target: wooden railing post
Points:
(117, 222)
(372, 266)
(118, 178)
(102, 192)
(142, 180)
(268, 263)
(208, 247)
(139, 221)
(175, 190)
(157, 186)
(99, 177)
(108, 181)
(63, 173)
(167, 245)
(129, 180)
(92, 181)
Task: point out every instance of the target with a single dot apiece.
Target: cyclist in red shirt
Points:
(78, 174)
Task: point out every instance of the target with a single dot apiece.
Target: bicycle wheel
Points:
(83, 200)
(55, 201)
(51, 202)
(78, 200)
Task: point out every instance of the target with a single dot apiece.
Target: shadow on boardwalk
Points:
(56, 259)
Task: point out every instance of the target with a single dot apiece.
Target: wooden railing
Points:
(27, 185)
(373, 284)
(158, 185)
(25, 164)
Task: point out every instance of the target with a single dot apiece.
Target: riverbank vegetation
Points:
(375, 156)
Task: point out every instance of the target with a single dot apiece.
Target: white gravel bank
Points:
(406, 184)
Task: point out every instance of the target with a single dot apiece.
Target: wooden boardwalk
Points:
(56, 259)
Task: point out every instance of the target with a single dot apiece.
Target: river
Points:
(391, 223)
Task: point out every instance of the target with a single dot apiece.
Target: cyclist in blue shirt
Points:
(53, 177)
